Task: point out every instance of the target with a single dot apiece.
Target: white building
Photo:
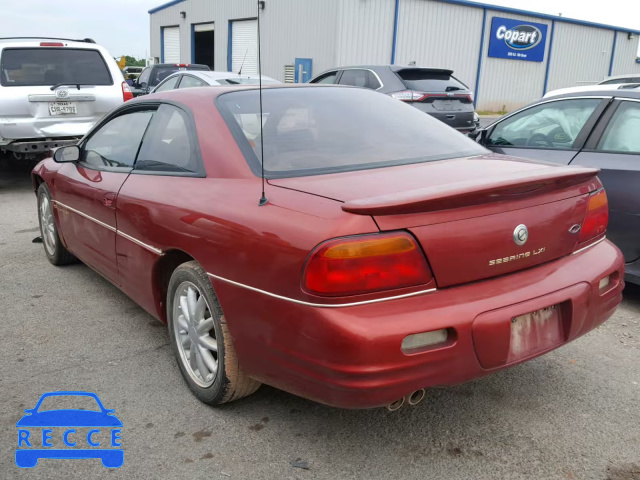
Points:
(508, 57)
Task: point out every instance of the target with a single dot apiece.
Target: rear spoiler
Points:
(472, 192)
(398, 68)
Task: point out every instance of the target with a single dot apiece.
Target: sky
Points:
(122, 26)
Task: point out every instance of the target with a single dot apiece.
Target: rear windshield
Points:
(26, 67)
(160, 73)
(429, 81)
(325, 129)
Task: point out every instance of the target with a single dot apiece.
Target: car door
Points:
(166, 174)
(553, 130)
(87, 191)
(614, 147)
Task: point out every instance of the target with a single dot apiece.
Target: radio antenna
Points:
(263, 199)
(242, 64)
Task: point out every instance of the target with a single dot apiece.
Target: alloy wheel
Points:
(47, 226)
(194, 334)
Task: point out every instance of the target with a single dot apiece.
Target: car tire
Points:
(190, 289)
(55, 251)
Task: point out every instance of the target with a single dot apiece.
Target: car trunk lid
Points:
(465, 212)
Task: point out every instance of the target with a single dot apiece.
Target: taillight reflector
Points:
(127, 94)
(597, 217)
(364, 264)
(51, 44)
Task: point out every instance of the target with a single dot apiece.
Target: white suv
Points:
(53, 90)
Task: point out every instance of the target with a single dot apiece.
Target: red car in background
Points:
(393, 253)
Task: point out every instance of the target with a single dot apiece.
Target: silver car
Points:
(52, 91)
(194, 78)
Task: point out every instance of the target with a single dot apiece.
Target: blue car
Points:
(32, 447)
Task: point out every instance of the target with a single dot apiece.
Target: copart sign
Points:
(517, 40)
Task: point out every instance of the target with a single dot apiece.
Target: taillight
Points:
(411, 96)
(407, 96)
(364, 264)
(127, 94)
(597, 217)
(51, 44)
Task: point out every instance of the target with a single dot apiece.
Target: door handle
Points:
(108, 199)
(451, 116)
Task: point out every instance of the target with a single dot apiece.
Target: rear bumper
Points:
(351, 357)
(38, 145)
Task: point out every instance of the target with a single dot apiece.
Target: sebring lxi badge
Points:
(520, 237)
(521, 234)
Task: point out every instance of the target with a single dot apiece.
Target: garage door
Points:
(171, 45)
(244, 46)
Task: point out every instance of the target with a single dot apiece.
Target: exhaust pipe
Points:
(393, 406)
(416, 397)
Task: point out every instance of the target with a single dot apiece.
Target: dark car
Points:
(152, 75)
(599, 128)
(432, 90)
(390, 253)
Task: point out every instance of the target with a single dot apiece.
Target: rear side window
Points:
(424, 80)
(317, 130)
(167, 146)
(329, 78)
(190, 82)
(27, 67)
(621, 135)
(360, 78)
(170, 84)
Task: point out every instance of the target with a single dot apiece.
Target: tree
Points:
(132, 62)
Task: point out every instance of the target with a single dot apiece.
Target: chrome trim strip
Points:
(589, 246)
(155, 250)
(320, 305)
(67, 207)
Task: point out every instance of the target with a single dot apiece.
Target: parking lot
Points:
(571, 414)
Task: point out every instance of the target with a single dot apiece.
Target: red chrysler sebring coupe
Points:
(392, 253)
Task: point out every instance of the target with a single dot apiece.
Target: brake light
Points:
(182, 64)
(597, 217)
(51, 44)
(127, 94)
(411, 96)
(364, 264)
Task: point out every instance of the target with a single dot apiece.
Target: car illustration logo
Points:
(71, 433)
(521, 234)
(62, 93)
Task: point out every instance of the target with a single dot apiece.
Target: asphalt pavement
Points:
(571, 414)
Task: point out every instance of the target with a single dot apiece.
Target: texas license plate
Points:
(534, 332)
(62, 108)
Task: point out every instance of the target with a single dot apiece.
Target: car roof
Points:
(35, 42)
(215, 75)
(393, 68)
(628, 90)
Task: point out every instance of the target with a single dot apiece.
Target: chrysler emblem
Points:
(62, 93)
(521, 234)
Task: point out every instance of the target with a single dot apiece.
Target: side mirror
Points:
(144, 86)
(67, 154)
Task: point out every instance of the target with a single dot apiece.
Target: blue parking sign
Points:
(517, 39)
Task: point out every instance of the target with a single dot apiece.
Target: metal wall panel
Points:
(581, 55)
(171, 44)
(426, 36)
(290, 29)
(364, 32)
(506, 83)
(626, 54)
(244, 40)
